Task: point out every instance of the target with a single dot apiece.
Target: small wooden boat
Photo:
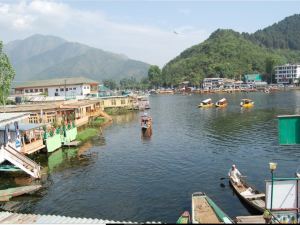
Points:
(247, 103)
(206, 103)
(184, 218)
(249, 195)
(221, 103)
(7, 194)
(204, 210)
(146, 122)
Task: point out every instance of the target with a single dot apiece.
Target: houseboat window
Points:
(67, 89)
(122, 101)
(36, 90)
(113, 102)
(74, 88)
(26, 91)
(61, 89)
(41, 90)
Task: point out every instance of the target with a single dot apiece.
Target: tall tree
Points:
(7, 74)
(110, 83)
(154, 75)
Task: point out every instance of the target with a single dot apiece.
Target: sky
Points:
(150, 31)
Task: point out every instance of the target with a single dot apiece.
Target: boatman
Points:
(235, 174)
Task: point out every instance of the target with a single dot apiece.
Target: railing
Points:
(32, 147)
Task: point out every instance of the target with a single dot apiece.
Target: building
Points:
(117, 102)
(213, 83)
(252, 78)
(287, 74)
(66, 87)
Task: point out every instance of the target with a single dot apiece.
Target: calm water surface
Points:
(119, 176)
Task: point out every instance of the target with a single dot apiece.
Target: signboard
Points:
(284, 194)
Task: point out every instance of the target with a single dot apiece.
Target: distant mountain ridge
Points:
(43, 56)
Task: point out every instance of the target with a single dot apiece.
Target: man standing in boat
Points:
(235, 175)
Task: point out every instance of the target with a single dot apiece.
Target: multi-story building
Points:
(68, 87)
(287, 74)
(213, 83)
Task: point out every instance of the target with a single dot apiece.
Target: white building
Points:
(287, 74)
(212, 83)
(68, 87)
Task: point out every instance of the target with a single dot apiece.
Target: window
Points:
(74, 88)
(31, 90)
(67, 89)
(26, 91)
(41, 89)
(61, 89)
(88, 87)
(123, 101)
(56, 90)
(36, 90)
(113, 102)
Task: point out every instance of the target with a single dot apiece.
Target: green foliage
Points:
(87, 134)
(98, 121)
(283, 35)
(110, 83)
(7, 74)
(225, 53)
(154, 76)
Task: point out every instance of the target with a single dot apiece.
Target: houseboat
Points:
(221, 103)
(206, 103)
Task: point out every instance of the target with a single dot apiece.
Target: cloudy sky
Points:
(151, 31)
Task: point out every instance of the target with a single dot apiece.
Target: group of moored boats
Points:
(205, 210)
(245, 103)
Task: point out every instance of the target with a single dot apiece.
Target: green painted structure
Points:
(289, 129)
(69, 134)
(251, 78)
(53, 142)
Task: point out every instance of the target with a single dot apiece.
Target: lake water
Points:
(120, 176)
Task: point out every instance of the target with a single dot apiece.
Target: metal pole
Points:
(65, 88)
(272, 190)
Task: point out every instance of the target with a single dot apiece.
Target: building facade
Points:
(213, 83)
(287, 74)
(68, 87)
(252, 78)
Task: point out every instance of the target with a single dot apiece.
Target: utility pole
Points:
(65, 89)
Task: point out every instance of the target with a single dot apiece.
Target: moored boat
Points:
(251, 196)
(146, 122)
(206, 103)
(221, 103)
(184, 218)
(204, 210)
(247, 103)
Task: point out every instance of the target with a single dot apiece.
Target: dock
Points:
(72, 144)
(18, 218)
(250, 219)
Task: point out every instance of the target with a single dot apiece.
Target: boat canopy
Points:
(207, 100)
(222, 100)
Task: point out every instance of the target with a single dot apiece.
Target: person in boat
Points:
(235, 175)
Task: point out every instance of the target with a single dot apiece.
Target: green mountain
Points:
(284, 34)
(227, 53)
(42, 56)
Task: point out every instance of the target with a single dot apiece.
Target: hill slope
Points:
(227, 53)
(42, 56)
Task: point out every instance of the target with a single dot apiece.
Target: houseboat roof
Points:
(207, 100)
(6, 118)
(56, 82)
(24, 126)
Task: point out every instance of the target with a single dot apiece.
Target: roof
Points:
(57, 82)
(24, 126)
(18, 218)
(207, 100)
(12, 117)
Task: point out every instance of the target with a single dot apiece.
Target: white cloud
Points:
(142, 42)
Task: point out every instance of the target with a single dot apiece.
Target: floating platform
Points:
(7, 194)
(72, 144)
(18, 218)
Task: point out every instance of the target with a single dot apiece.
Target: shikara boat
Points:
(184, 218)
(146, 122)
(221, 103)
(206, 103)
(247, 103)
(204, 210)
(251, 196)
(7, 194)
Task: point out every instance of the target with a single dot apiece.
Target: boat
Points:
(250, 195)
(7, 194)
(184, 218)
(221, 103)
(247, 103)
(146, 122)
(9, 168)
(206, 103)
(204, 210)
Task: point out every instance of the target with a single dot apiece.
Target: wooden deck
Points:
(72, 144)
(250, 219)
(203, 213)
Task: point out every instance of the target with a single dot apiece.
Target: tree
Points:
(270, 64)
(154, 76)
(111, 84)
(7, 74)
